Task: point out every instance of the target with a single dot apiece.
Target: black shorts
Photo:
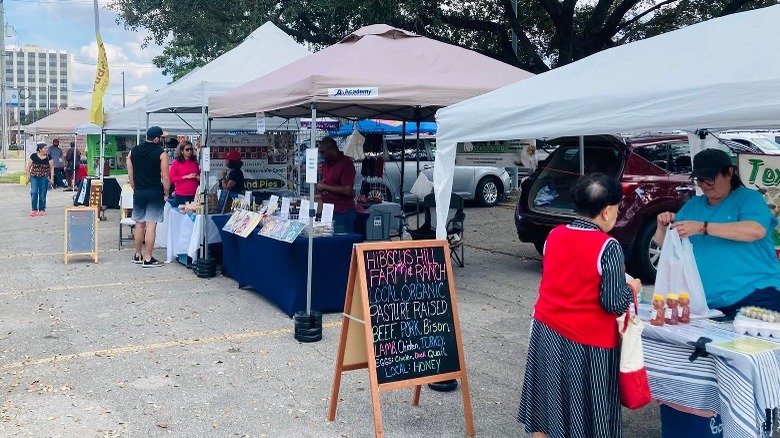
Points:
(148, 205)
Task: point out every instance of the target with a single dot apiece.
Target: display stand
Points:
(407, 338)
(81, 232)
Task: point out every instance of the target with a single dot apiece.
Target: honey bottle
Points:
(657, 314)
(685, 308)
(672, 314)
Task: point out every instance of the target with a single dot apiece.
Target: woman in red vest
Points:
(570, 387)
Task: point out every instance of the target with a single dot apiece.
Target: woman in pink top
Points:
(185, 173)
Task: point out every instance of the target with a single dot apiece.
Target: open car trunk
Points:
(550, 192)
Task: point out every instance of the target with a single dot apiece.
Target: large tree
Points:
(550, 33)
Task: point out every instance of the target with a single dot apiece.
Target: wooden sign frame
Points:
(93, 254)
(356, 347)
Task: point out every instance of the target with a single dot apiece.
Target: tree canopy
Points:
(550, 33)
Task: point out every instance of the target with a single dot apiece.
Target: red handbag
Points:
(632, 380)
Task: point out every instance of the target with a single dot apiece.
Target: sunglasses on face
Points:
(188, 149)
(703, 181)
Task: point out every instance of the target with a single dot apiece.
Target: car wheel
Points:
(539, 247)
(646, 254)
(487, 192)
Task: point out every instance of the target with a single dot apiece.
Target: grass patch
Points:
(10, 178)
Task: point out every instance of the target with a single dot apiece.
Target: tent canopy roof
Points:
(402, 71)
(685, 79)
(63, 121)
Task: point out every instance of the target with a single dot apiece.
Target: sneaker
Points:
(137, 259)
(151, 263)
(41, 213)
(34, 213)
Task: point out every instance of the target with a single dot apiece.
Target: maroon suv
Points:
(654, 172)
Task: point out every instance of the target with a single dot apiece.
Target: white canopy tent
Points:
(717, 74)
(133, 118)
(263, 51)
(182, 104)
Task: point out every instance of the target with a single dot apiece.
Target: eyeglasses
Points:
(703, 181)
(188, 149)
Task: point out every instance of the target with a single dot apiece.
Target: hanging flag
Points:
(101, 76)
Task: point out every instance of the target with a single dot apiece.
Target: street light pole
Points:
(123, 88)
(3, 84)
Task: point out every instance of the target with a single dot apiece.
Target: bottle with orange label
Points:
(672, 314)
(685, 308)
(657, 314)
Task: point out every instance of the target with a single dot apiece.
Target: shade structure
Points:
(384, 127)
(686, 79)
(133, 118)
(264, 50)
(375, 72)
(63, 121)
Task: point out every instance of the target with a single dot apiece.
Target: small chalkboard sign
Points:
(401, 321)
(81, 232)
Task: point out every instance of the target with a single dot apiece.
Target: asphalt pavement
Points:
(110, 349)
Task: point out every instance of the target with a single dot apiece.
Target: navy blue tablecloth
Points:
(277, 269)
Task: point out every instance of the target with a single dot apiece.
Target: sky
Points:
(70, 25)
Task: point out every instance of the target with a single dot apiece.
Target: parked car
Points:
(760, 141)
(654, 172)
(485, 184)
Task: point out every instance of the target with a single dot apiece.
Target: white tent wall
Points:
(717, 74)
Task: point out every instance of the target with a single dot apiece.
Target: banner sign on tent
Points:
(762, 173)
(326, 124)
(267, 158)
(498, 153)
(354, 92)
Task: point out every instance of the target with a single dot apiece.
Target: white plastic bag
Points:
(354, 145)
(422, 187)
(677, 272)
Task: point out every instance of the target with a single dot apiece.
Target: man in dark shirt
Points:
(72, 163)
(337, 184)
(147, 171)
(56, 159)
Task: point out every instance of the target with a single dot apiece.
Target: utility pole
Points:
(3, 110)
(123, 88)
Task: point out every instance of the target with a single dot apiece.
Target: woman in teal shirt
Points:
(730, 228)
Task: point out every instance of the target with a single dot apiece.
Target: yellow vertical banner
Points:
(101, 76)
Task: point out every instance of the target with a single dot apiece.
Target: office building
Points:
(41, 76)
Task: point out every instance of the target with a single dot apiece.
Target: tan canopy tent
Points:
(63, 121)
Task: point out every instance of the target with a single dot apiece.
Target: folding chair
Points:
(455, 225)
(125, 212)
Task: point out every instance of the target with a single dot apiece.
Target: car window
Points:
(655, 153)
(597, 159)
(394, 148)
(680, 157)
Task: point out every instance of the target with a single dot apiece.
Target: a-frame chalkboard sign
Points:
(81, 232)
(401, 322)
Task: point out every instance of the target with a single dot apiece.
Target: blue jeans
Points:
(344, 222)
(58, 174)
(39, 185)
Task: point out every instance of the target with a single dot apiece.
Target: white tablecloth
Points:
(738, 386)
(185, 234)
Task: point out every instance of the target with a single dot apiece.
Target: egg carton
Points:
(754, 327)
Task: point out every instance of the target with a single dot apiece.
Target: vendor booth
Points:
(677, 81)
(277, 269)
(325, 82)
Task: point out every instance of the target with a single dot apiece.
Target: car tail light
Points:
(629, 188)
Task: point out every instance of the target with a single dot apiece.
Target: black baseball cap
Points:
(709, 162)
(154, 132)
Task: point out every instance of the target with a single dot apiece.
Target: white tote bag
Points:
(677, 272)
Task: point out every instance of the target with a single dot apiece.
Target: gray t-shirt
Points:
(56, 155)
